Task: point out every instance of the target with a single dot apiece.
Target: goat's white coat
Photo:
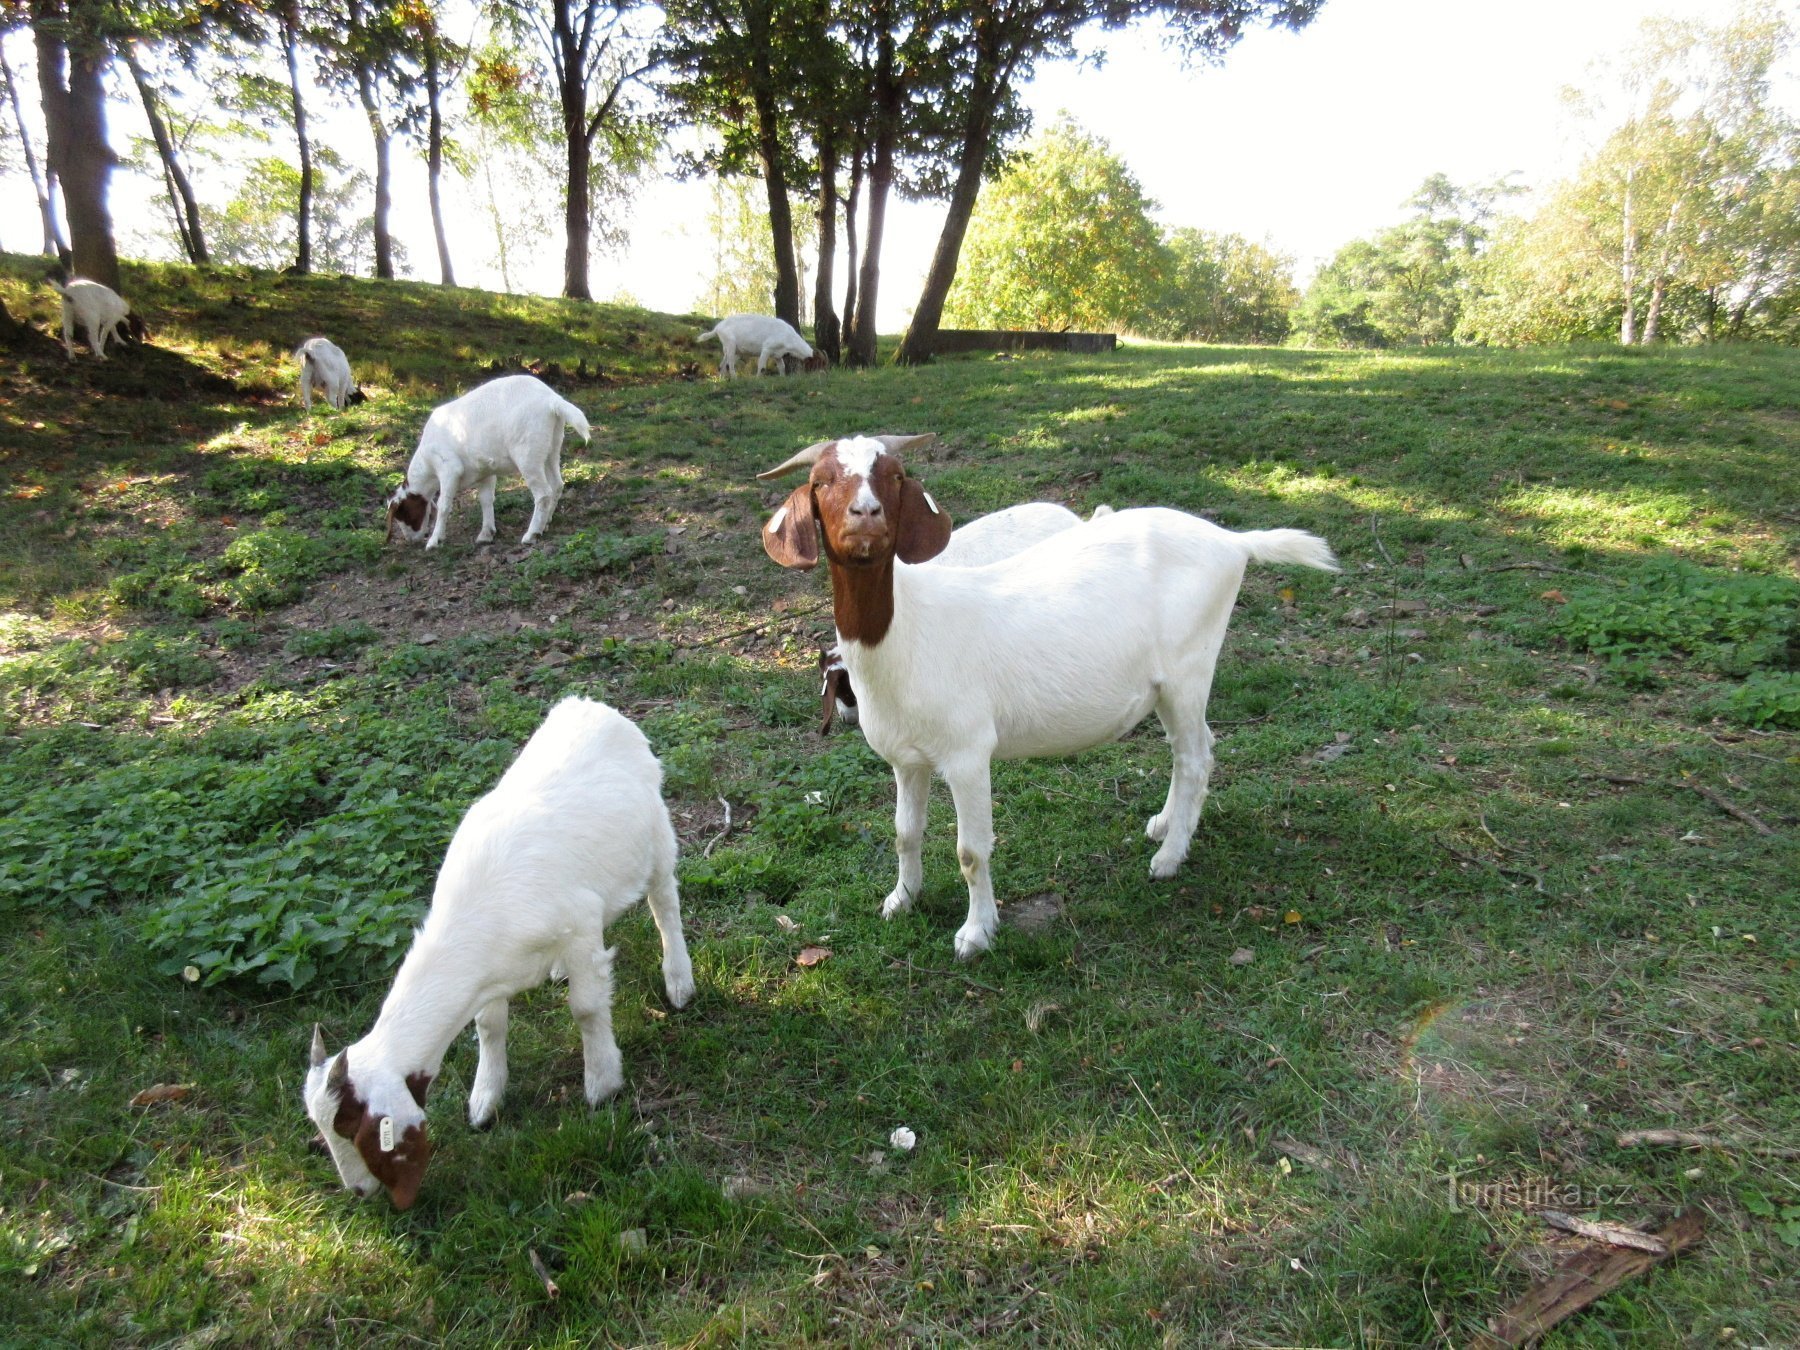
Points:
(574, 833)
(764, 334)
(323, 366)
(1062, 646)
(514, 423)
(98, 308)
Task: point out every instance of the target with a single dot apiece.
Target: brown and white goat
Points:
(1063, 646)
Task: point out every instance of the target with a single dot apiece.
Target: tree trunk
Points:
(53, 241)
(781, 215)
(888, 98)
(434, 159)
(73, 80)
(825, 319)
(1653, 315)
(848, 323)
(181, 191)
(984, 98)
(290, 37)
(571, 90)
(1628, 270)
(384, 242)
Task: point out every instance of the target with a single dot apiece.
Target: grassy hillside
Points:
(1498, 863)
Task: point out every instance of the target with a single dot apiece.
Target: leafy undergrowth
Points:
(1497, 863)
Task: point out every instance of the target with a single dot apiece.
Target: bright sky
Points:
(1307, 139)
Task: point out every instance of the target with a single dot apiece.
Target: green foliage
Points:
(1221, 288)
(273, 566)
(1769, 698)
(1062, 239)
(258, 225)
(1729, 623)
(340, 640)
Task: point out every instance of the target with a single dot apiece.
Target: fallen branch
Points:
(1548, 567)
(1535, 878)
(543, 1273)
(1612, 1234)
(760, 623)
(1580, 1279)
(1694, 1139)
(1730, 808)
(707, 851)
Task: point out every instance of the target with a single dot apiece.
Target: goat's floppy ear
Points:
(791, 537)
(924, 529)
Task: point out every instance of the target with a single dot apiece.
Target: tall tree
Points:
(1062, 239)
(597, 54)
(1222, 288)
(364, 50)
(182, 204)
(997, 44)
(73, 55)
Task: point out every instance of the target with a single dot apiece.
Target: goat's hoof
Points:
(1166, 864)
(484, 538)
(1157, 828)
(898, 902)
(603, 1085)
(484, 1106)
(972, 942)
(678, 985)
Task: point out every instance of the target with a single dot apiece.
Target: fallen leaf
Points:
(1554, 597)
(786, 924)
(1292, 916)
(1243, 956)
(162, 1092)
(811, 956)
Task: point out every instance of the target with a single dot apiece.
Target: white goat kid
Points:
(324, 367)
(575, 832)
(1065, 645)
(512, 424)
(99, 309)
(770, 338)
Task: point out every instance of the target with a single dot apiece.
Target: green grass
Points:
(238, 733)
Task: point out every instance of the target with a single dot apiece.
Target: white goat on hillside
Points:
(323, 366)
(764, 334)
(575, 832)
(513, 423)
(99, 309)
(1065, 645)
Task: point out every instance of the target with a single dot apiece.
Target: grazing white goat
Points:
(323, 366)
(770, 338)
(983, 540)
(99, 309)
(575, 832)
(1065, 645)
(513, 423)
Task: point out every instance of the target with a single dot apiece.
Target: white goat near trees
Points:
(1065, 645)
(323, 366)
(99, 309)
(575, 832)
(514, 423)
(764, 334)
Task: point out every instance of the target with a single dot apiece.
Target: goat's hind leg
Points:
(490, 1071)
(590, 1000)
(665, 909)
(1191, 743)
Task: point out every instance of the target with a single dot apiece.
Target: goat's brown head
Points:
(373, 1144)
(859, 509)
(408, 515)
(858, 501)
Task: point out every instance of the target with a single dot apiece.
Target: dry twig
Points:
(1614, 1235)
(707, 851)
(1694, 1139)
(1730, 808)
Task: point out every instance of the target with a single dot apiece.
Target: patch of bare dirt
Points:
(1033, 914)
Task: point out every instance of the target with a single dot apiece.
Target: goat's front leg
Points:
(449, 484)
(490, 1068)
(484, 493)
(590, 1000)
(972, 791)
(912, 797)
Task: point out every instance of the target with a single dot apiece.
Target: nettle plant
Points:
(1728, 623)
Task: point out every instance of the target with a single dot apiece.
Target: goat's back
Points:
(1003, 533)
(579, 812)
(500, 424)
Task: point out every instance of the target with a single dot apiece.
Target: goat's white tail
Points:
(1289, 546)
(57, 286)
(575, 420)
(711, 333)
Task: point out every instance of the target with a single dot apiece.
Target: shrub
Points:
(1766, 699)
(1729, 623)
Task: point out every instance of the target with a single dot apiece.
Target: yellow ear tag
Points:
(387, 1134)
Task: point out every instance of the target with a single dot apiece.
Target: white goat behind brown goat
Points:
(770, 338)
(1063, 646)
(571, 837)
